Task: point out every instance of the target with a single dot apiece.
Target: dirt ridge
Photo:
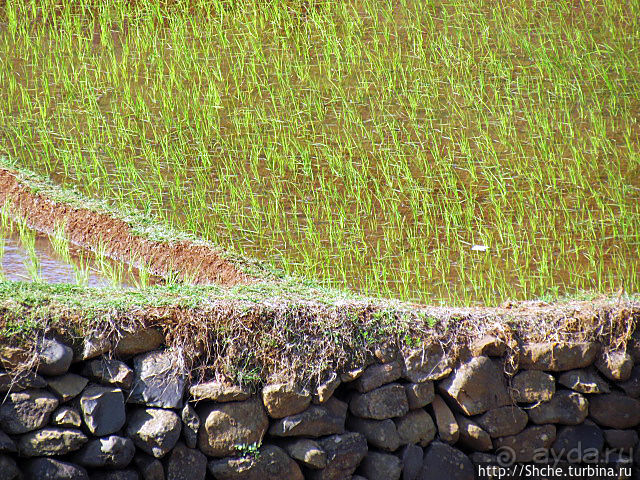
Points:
(88, 229)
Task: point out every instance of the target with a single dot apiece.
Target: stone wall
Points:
(410, 415)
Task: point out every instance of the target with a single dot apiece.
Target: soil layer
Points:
(89, 229)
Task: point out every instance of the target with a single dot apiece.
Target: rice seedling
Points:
(366, 144)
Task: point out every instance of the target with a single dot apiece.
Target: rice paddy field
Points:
(458, 152)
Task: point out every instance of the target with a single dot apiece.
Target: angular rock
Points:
(154, 430)
(532, 386)
(67, 386)
(419, 394)
(315, 421)
(351, 375)
(386, 353)
(156, 382)
(325, 390)
(489, 346)
(9, 469)
(476, 386)
(632, 386)
(443, 461)
(26, 411)
(527, 443)
(377, 375)
(66, 416)
(566, 408)
(384, 402)
(110, 452)
(473, 436)
(7, 445)
(115, 475)
(142, 341)
(219, 392)
(50, 441)
(448, 428)
(226, 425)
(190, 426)
(411, 457)
(102, 409)
(503, 421)
(284, 399)
(381, 465)
(51, 469)
(615, 365)
(110, 372)
(10, 382)
(272, 463)
(379, 433)
(54, 357)
(575, 441)
(558, 357)
(621, 439)
(93, 347)
(307, 452)
(431, 363)
(150, 468)
(615, 410)
(583, 381)
(186, 464)
(344, 454)
(416, 427)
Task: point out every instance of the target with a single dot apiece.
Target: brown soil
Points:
(88, 229)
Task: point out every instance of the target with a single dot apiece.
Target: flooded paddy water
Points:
(454, 151)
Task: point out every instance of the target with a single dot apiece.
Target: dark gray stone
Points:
(67, 386)
(557, 357)
(284, 399)
(377, 375)
(632, 386)
(615, 365)
(344, 454)
(315, 421)
(10, 382)
(614, 410)
(157, 381)
(190, 426)
(52, 469)
(416, 427)
(380, 465)
(25, 411)
(7, 445)
(584, 381)
(384, 402)
(272, 463)
(430, 363)
(325, 390)
(9, 469)
(448, 428)
(186, 464)
(116, 475)
(379, 433)
(227, 425)
(110, 452)
(532, 386)
(110, 372)
(524, 446)
(565, 407)
(154, 430)
(411, 457)
(488, 345)
(443, 461)
(624, 440)
(150, 468)
(50, 441)
(472, 435)
(574, 441)
(503, 421)
(419, 394)
(307, 452)
(477, 386)
(54, 357)
(102, 409)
